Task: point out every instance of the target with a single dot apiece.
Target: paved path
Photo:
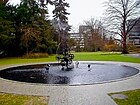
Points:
(74, 95)
(133, 55)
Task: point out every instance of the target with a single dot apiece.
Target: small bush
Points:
(36, 55)
(132, 47)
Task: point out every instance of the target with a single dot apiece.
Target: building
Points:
(80, 36)
(78, 39)
(88, 38)
(84, 29)
(134, 35)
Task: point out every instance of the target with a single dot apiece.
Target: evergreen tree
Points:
(6, 30)
(25, 28)
(61, 25)
(38, 30)
(60, 10)
(61, 19)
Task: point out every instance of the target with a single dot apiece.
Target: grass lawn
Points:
(18, 60)
(105, 56)
(14, 99)
(81, 56)
(133, 98)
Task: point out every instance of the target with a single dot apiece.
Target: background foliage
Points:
(25, 28)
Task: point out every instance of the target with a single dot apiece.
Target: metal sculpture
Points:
(63, 54)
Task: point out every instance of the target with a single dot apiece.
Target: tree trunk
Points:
(124, 46)
(124, 34)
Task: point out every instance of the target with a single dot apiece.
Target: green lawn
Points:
(105, 56)
(14, 99)
(18, 60)
(82, 56)
(133, 98)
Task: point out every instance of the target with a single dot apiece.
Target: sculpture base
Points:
(68, 68)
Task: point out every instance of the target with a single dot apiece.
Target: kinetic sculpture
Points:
(63, 54)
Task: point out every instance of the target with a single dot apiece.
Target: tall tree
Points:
(60, 11)
(26, 28)
(6, 29)
(119, 12)
(94, 35)
(60, 16)
(37, 30)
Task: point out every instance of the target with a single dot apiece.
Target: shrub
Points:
(36, 55)
(132, 48)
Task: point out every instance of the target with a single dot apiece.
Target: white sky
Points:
(81, 10)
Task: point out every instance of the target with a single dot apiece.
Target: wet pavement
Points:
(75, 95)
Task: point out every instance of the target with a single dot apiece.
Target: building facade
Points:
(134, 35)
(79, 40)
(88, 38)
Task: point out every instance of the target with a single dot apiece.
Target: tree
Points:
(61, 20)
(94, 35)
(25, 28)
(6, 29)
(71, 43)
(37, 32)
(60, 15)
(30, 37)
(119, 12)
(48, 36)
(6, 38)
(60, 10)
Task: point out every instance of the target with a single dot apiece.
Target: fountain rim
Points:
(96, 62)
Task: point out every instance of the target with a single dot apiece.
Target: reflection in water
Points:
(98, 73)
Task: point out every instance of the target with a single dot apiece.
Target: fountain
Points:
(79, 75)
(66, 71)
(63, 54)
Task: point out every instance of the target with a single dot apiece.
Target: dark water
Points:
(97, 73)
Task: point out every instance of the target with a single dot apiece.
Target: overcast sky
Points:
(81, 10)
(84, 10)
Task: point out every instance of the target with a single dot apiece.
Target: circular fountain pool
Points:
(96, 73)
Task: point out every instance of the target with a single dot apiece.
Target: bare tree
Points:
(119, 13)
(94, 34)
